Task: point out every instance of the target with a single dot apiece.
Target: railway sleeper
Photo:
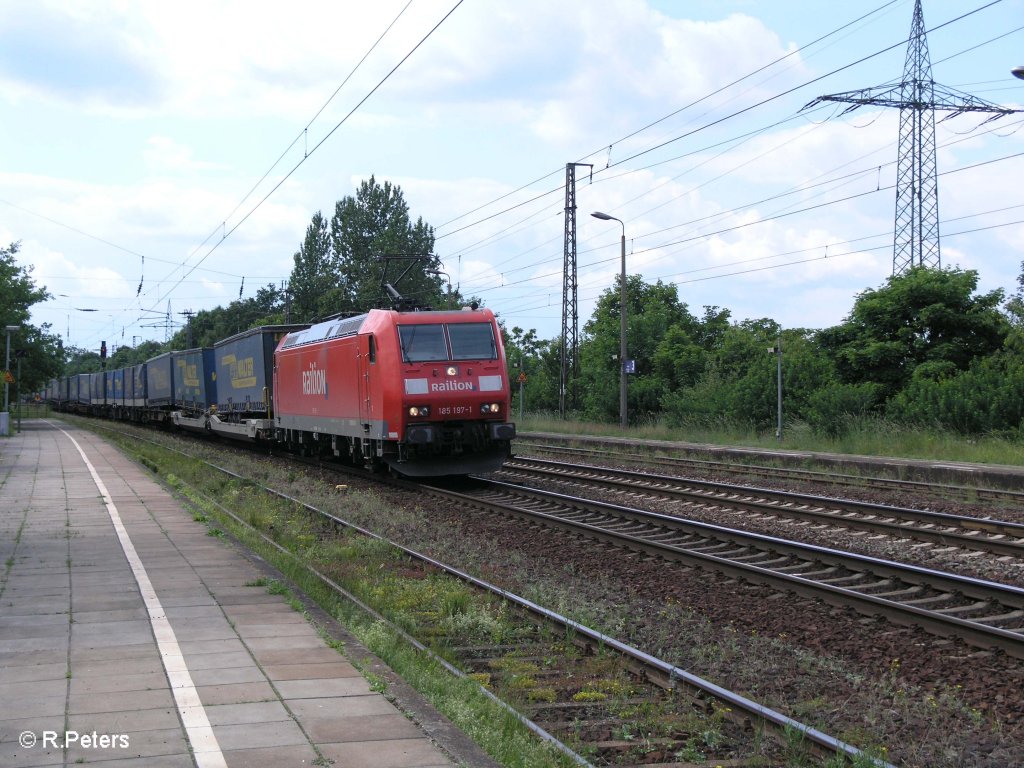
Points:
(713, 547)
(817, 574)
(931, 600)
(896, 594)
(965, 609)
(1004, 620)
(870, 589)
(850, 580)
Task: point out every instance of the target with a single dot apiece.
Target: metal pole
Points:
(623, 408)
(17, 393)
(7, 371)
(7, 368)
(778, 431)
(623, 412)
(522, 395)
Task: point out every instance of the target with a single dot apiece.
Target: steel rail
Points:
(817, 572)
(996, 536)
(656, 670)
(736, 467)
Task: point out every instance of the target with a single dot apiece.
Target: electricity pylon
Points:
(917, 96)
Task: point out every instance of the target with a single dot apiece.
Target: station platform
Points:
(130, 637)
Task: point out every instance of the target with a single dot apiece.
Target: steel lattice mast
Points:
(916, 241)
(570, 351)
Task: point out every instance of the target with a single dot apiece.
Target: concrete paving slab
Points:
(251, 631)
(154, 761)
(340, 706)
(13, 755)
(321, 655)
(150, 663)
(225, 660)
(120, 682)
(31, 673)
(122, 701)
(32, 644)
(268, 684)
(42, 707)
(198, 647)
(285, 643)
(272, 757)
(255, 712)
(405, 753)
(237, 693)
(111, 653)
(124, 614)
(376, 727)
(335, 669)
(146, 744)
(275, 734)
(165, 718)
(228, 676)
(315, 689)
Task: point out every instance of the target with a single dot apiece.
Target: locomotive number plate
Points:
(455, 410)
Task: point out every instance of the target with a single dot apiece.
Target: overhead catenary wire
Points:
(705, 126)
(320, 143)
(465, 250)
(765, 220)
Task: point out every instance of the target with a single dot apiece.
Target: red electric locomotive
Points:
(425, 393)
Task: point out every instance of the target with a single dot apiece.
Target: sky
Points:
(157, 158)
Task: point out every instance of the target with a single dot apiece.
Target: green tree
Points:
(314, 279)
(365, 229)
(923, 316)
(42, 352)
(209, 326)
(652, 310)
(540, 361)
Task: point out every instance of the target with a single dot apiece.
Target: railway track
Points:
(983, 614)
(965, 532)
(646, 456)
(591, 710)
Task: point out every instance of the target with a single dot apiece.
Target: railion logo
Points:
(452, 386)
(314, 381)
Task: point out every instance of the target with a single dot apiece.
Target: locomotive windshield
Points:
(422, 343)
(472, 341)
(428, 343)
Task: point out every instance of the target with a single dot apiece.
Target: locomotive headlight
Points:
(452, 370)
(490, 408)
(419, 410)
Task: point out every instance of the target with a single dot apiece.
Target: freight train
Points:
(421, 393)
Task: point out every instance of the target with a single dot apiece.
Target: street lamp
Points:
(7, 367)
(623, 412)
(1018, 72)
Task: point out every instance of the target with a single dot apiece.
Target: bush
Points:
(833, 410)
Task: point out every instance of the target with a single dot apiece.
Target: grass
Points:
(721, 655)
(868, 437)
(361, 565)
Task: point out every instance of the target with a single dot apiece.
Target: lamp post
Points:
(777, 351)
(623, 412)
(7, 368)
